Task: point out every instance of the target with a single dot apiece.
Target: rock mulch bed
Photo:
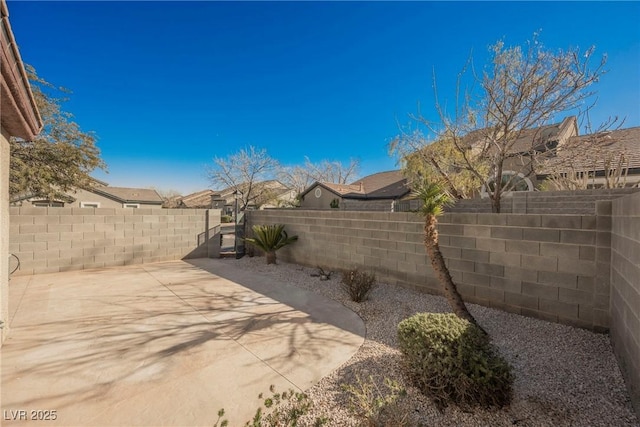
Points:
(565, 376)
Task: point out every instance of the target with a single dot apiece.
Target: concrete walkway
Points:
(164, 344)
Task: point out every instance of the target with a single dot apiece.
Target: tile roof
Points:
(534, 139)
(344, 189)
(589, 152)
(384, 185)
(200, 199)
(130, 195)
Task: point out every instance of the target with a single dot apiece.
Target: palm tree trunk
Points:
(271, 257)
(442, 272)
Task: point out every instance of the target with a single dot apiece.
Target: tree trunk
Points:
(271, 257)
(442, 272)
(495, 204)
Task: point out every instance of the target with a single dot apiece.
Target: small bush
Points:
(335, 204)
(284, 410)
(225, 219)
(377, 406)
(451, 360)
(221, 422)
(358, 284)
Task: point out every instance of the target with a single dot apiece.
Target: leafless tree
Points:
(300, 177)
(519, 90)
(332, 171)
(243, 171)
(169, 196)
(296, 178)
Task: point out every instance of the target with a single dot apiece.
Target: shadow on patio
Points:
(165, 344)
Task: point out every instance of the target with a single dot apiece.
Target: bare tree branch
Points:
(242, 171)
(520, 90)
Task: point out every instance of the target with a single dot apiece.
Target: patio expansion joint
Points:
(24, 292)
(264, 362)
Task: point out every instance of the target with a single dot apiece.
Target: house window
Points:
(89, 204)
(131, 205)
(511, 181)
(47, 203)
(318, 192)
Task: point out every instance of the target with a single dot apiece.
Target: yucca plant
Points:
(270, 238)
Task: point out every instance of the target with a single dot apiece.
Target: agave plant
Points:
(270, 238)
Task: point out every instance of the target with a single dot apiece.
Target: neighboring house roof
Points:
(535, 139)
(20, 116)
(384, 185)
(200, 199)
(272, 184)
(119, 194)
(381, 185)
(545, 137)
(590, 152)
(343, 189)
(129, 195)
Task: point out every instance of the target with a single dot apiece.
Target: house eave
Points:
(20, 115)
(367, 197)
(319, 184)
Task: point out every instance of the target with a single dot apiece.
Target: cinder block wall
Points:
(544, 266)
(625, 291)
(366, 205)
(579, 202)
(48, 240)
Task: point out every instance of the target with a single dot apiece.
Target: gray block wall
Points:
(579, 202)
(546, 266)
(366, 205)
(49, 240)
(625, 291)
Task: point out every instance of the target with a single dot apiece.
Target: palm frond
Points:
(433, 197)
(270, 237)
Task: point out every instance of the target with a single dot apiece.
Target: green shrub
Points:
(451, 360)
(221, 422)
(375, 405)
(335, 204)
(284, 410)
(270, 238)
(225, 219)
(358, 284)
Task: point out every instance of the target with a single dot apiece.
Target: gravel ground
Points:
(565, 376)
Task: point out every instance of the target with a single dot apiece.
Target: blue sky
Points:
(167, 86)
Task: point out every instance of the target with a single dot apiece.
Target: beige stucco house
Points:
(19, 117)
(100, 195)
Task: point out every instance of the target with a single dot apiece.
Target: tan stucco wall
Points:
(323, 202)
(4, 232)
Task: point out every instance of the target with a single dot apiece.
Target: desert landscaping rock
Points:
(565, 376)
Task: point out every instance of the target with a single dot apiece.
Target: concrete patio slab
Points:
(163, 344)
